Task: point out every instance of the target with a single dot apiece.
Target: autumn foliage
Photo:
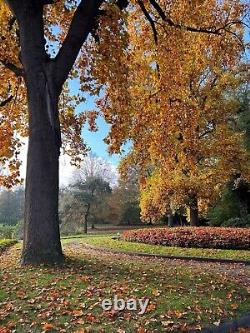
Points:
(13, 93)
(167, 92)
(204, 237)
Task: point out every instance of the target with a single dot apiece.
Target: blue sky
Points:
(95, 139)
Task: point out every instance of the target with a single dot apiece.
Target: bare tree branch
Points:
(150, 20)
(82, 24)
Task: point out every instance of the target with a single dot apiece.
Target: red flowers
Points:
(201, 237)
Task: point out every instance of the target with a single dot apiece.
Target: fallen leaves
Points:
(68, 299)
(46, 327)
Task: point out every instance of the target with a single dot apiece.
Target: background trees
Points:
(96, 196)
(118, 51)
(11, 206)
(124, 202)
(89, 193)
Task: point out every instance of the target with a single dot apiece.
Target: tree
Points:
(234, 201)
(177, 107)
(90, 192)
(124, 201)
(44, 78)
(11, 206)
(93, 166)
(50, 35)
(78, 200)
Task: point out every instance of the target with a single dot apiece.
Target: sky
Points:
(93, 139)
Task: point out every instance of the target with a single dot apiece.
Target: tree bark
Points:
(86, 216)
(41, 223)
(41, 232)
(44, 79)
(194, 212)
(170, 220)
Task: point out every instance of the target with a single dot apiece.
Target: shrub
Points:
(197, 237)
(7, 231)
(238, 222)
(226, 207)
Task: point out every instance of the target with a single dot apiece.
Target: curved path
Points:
(162, 256)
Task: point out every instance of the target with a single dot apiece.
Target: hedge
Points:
(196, 237)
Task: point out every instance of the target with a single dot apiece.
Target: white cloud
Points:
(67, 171)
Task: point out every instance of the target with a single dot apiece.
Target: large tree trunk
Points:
(194, 212)
(41, 232)
(44, 78)
(41, 223)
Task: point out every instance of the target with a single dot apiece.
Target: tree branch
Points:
(171, 23)
(122, 4)
(16, 70)
(81, 25)
(6, 101)
(150, 20)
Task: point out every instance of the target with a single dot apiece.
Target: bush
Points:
(196, 237)
(238, 222)
(227, 207)
(7, 231)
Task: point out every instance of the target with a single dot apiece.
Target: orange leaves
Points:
(244, 330)
(47, 327)
(77, 313)
(176, 114)
(4, 329)
(12, 101)
(92, 115)
(141, 330)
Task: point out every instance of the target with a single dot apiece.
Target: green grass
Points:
(182, 295)
(4, 243)
(106, 241)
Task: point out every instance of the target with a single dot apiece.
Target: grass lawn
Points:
(107, 241)
(67, 298)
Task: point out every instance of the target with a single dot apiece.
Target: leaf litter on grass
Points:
(183, 295)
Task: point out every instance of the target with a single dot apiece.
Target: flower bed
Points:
(196, 237)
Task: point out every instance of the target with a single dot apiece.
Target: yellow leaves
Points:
(4, 10)
(178, 114)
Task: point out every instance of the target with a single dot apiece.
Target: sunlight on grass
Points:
(110, 243)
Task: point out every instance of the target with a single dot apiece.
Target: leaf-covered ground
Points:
(67, 298)
(108, 241)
